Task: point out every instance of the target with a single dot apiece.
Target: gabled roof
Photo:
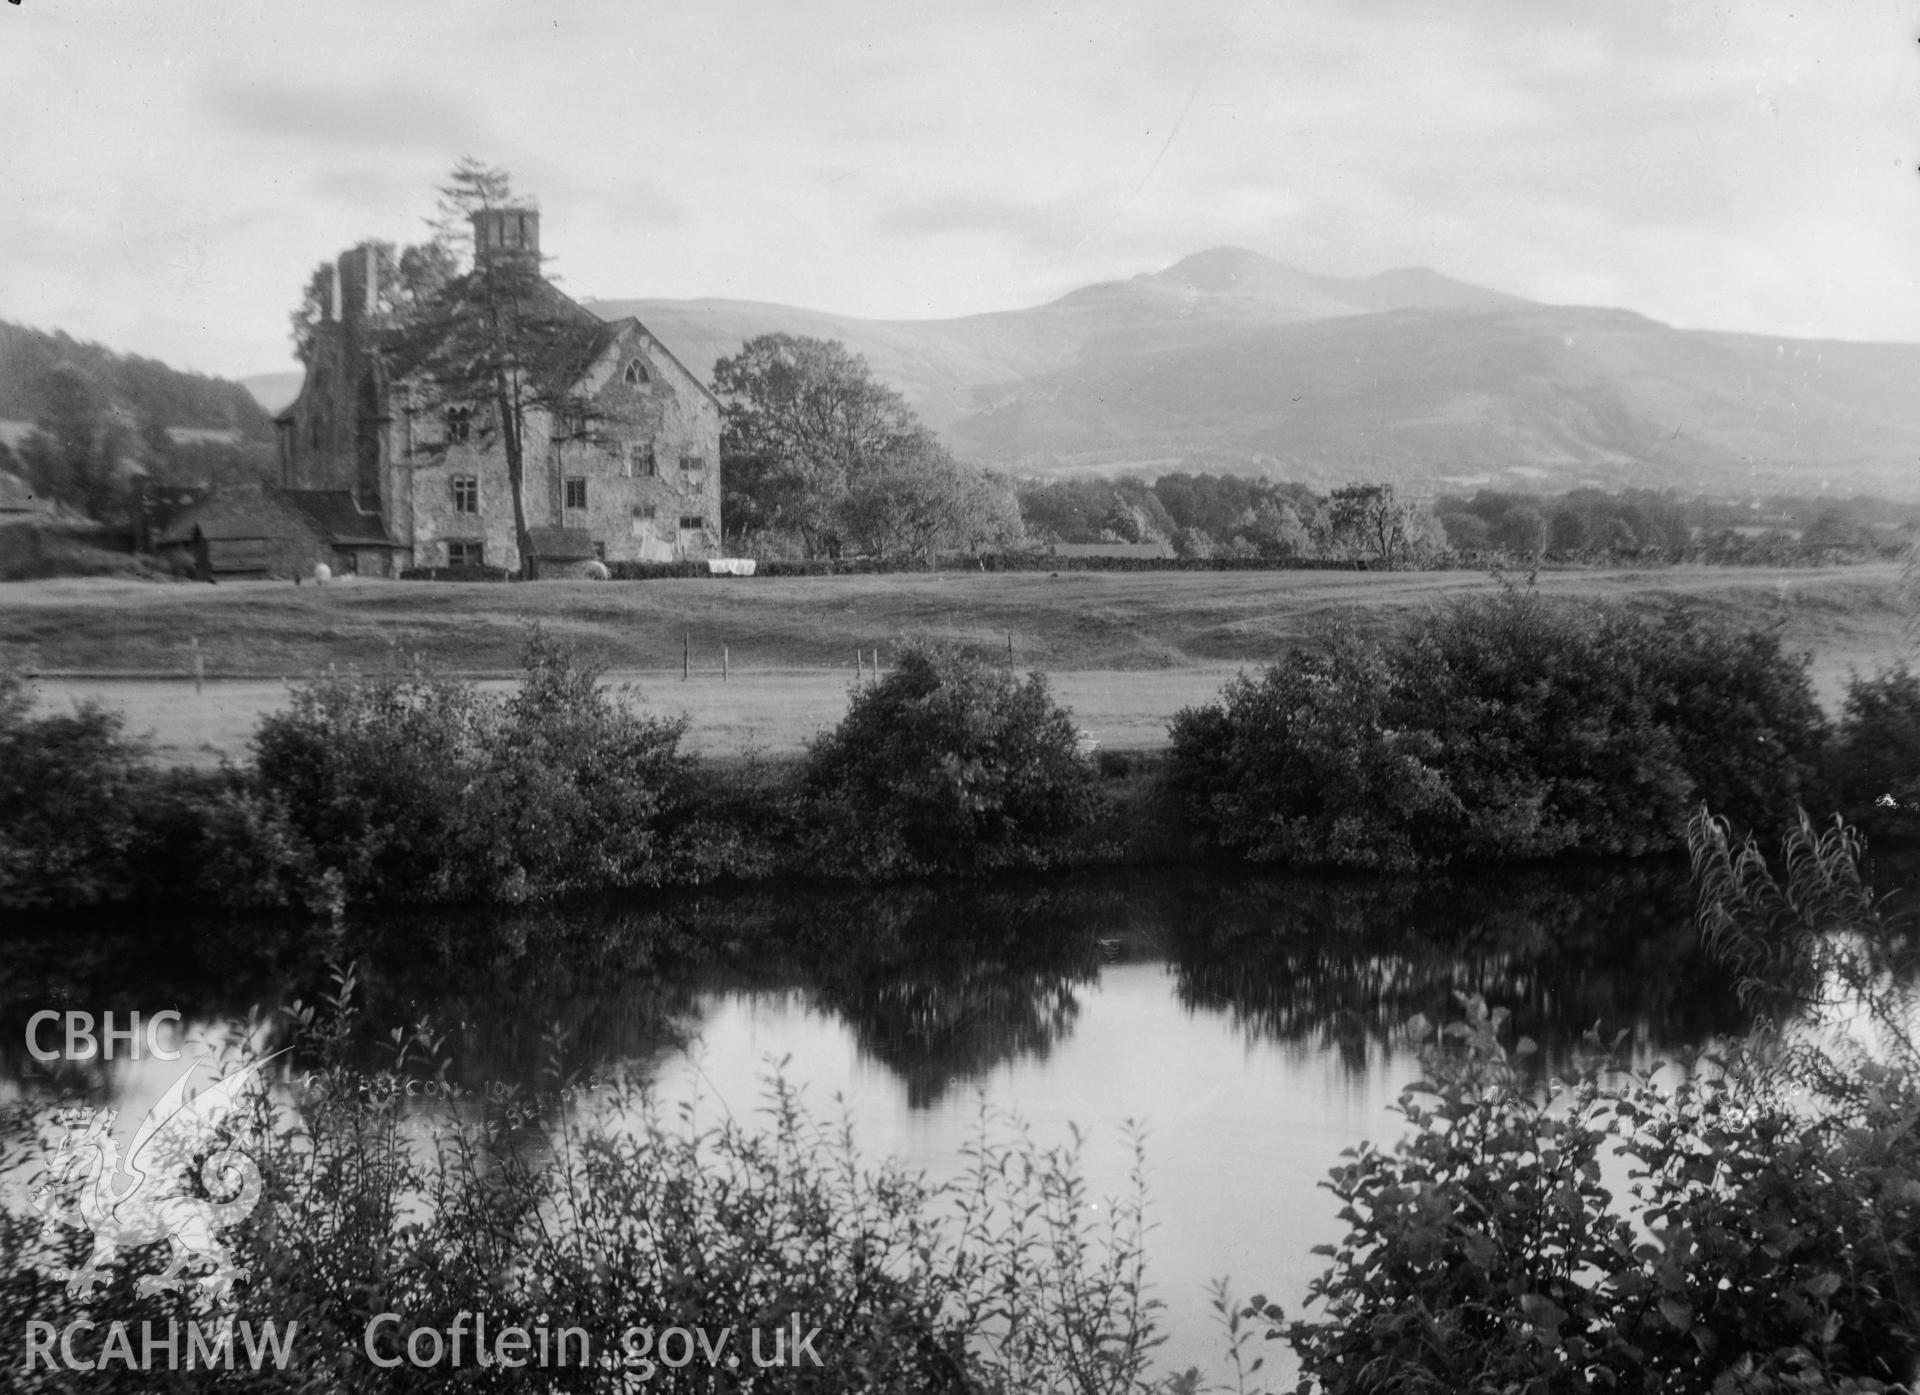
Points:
(338, 515)
(661, 344)
(267, 511)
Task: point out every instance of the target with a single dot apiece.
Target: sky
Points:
(171, 173)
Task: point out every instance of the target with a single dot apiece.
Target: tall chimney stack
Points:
(511, 232)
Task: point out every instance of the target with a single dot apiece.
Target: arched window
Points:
(636, 375)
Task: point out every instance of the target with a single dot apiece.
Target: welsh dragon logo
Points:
(159, 1203)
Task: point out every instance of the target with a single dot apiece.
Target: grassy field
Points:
(1125, 650)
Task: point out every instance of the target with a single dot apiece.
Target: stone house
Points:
(630, 473)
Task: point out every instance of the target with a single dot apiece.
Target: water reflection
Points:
(1342, 964)
(939, 985)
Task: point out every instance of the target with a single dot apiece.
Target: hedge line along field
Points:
(773, 711)
(1124, 651)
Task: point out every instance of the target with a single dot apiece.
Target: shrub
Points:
(409, 786)
(374, 771)
(579, 790)
(1302, 765)
(1875, 762)
(1771, 1240)
(85, 820)
(70, 788)
(947, 764)
(1498, 727)
(1012, 1277)
(1751, 733)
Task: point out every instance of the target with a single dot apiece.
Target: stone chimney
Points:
(357, 279)
(512, 232)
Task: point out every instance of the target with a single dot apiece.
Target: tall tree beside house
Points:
(499, 342)
(412, 278)
(805, 421)
(812, 443)
(475, 323)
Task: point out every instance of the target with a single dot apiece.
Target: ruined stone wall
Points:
(332, 443)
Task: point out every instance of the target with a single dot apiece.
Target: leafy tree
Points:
(813, 444)
(807, 420)
(76, 450)
(499, 340)
(1520, 529)
(1467, 531)
(919, 499)
(1371, 521)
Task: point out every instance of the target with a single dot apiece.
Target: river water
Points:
(1251, 1027)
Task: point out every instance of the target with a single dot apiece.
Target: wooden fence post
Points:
(686, 656)
(199, 664)
(724, 663)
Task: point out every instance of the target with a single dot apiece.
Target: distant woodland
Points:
(144, 389)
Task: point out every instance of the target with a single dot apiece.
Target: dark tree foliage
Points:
(142, 387)
(1771, 1240)
(813, 445)
(1580, 520)
(78, 450)
(804, 421)
(1874, 765)
(410, 787)
(1498, 727)
(947, 764)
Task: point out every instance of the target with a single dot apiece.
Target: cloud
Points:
(380, 116)
(1040, 225)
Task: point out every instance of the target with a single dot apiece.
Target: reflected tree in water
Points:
(1346, 962)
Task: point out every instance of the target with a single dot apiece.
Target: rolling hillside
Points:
(141, 389)
(943, 365)
(1232, 361)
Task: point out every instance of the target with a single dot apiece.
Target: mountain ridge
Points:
(1229, 360)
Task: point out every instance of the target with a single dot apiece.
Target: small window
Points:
(599, 552)
(576, 491)
(643, 512)
(466, 554)
(691, 464)
(692, 522)
(466, 494)
(459, 425)
(640, 459)
(636, 374)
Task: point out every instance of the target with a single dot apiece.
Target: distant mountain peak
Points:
(1220, 269)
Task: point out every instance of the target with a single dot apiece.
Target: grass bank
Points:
(1076, 622)
(1123, 652)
